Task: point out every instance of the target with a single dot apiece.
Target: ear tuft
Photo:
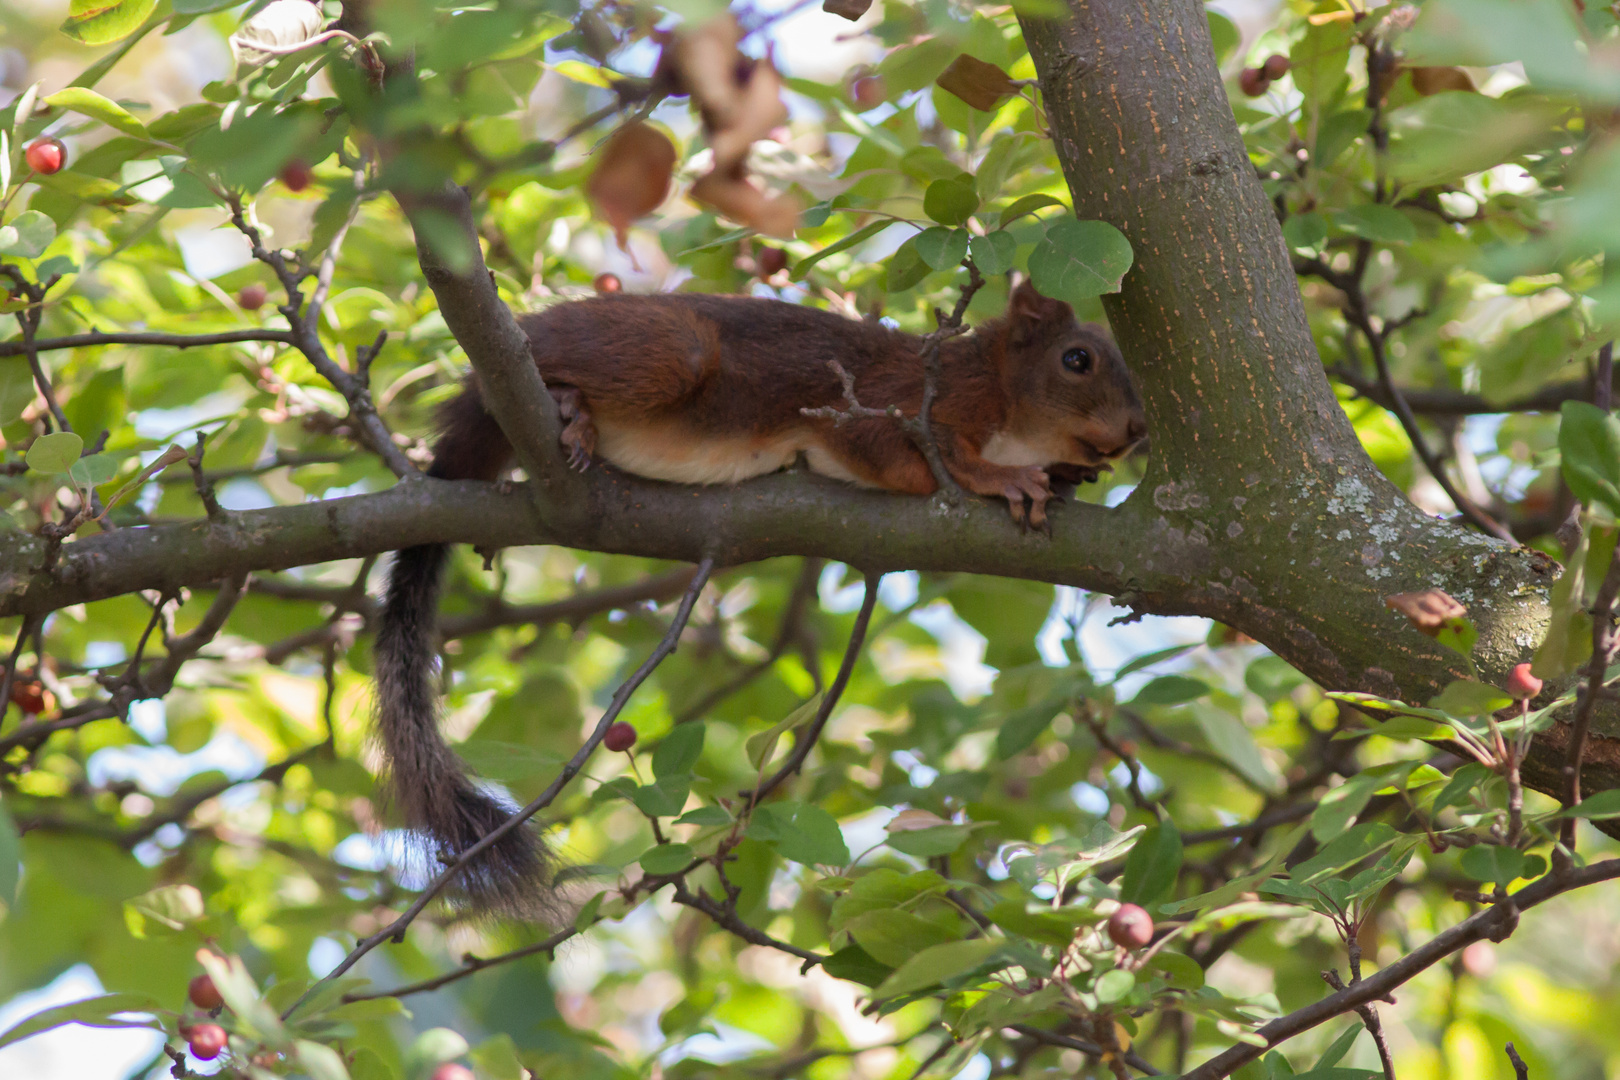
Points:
(1025, 304)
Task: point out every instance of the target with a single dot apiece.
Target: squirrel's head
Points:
(1068, 380)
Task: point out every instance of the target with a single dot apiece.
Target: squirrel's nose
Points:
(1135, 430)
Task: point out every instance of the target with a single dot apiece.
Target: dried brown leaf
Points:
(979, 84)
(1429, 610)
(1434, 80)
(733, 195)
(632, 176)
(849, 9)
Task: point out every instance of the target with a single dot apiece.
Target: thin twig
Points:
(1521, 1071)
(1491, 923)
(1604, 643)
(470, 965)
(396, 929)
(10, 674)
(1375, 1026)
(806, 739)
(173, 341)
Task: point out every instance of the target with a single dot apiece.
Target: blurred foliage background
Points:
(1445, 178)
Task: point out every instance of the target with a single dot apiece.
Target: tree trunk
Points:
(1254, 466)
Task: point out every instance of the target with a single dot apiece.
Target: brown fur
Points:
(709, 389)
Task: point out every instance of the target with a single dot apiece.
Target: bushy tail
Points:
(427, 780)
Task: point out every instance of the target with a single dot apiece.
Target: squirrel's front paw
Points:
(1032, 484)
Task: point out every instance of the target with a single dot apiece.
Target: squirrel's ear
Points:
(1025, 304)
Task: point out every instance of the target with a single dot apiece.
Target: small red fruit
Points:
(1253, 82)
(1130, 927)
(296, 175)
(29, 696)
(869, 91)
(204, 994)
(1275, 67)
(452, 1071)
(206, 1041)
(252, 297)
(1521, 684)
(606, 283)
(770, 260)
(620, 736)
(46, 156)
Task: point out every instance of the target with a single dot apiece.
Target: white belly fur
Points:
(672, 453)
(1003, 448)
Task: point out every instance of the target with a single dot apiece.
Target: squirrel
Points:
(703, 389)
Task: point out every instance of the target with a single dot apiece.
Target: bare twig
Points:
(395, 930)
(806, 739)
(1604, 643)
(204, 486)
(173, 341)
(1375, 1027)
(1494, 920)
(470, 965)
(1521, 1071)
(10, 674)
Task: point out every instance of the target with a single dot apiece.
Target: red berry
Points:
(620, 736)
(206, 1040)
(46, 156)
(770, 260)
(252, 297)
(869, 91)
(296, 175)
(28, 695)
(203, 993)
(1253, 82)
(1521, 684)
(1130, 927)
(1275, 67)
(451, 1071)
(606, 283)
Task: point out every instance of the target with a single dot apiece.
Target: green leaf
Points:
(255, 1018)
(89, 103)
(1182, 972)
(906, 267)
(942, 248)
(95, 470)
(994, 253)
(1338, 808)
(1078, 260)
(1305, 230)
(1499, 864)
(930, 843)
(801, 832)
(1589, 444)
(1027, 205)
(893, 937)
(1023, 726)
(1605, 804)
(856, 965)
(1231, 738)
(1223, 34)
(1041, 923)
(1468, 697)
(1355, 844)
(1170, 690)
(665, 797)
(859, 236)
(165, 910)
(705, 816)
(54, 453)
(937, 964)
(1449, 135)
(1568, 643)
(1341, 1046)
(497, 1058)
(950, 202)
(760, 747)
(1114, 985)
(667, 858)
(1147, 660)
(678, 751)
(91, 1012)
(1378, 223)
(28, 235)
(10, 858)
(1152, 867)
(321, 1062)
(499, 760)
(102, 22)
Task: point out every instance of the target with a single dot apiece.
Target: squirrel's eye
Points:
(1077, 361)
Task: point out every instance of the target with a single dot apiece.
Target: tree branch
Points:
(1478, 927)
(173, 341)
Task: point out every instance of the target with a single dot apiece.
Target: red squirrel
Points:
(704, 389)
